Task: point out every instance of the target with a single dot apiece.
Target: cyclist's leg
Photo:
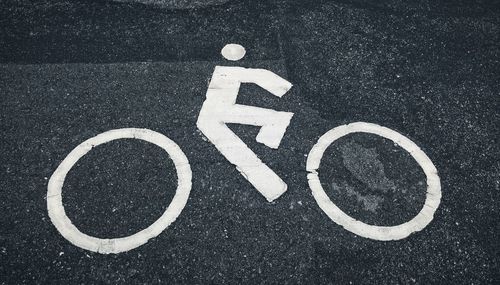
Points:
(274, 123)
(236, 151)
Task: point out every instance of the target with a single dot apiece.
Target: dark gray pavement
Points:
(70, 70)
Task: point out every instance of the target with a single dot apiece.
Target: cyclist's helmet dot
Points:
(233, 52)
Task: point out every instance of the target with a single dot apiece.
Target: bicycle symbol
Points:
(218, 109)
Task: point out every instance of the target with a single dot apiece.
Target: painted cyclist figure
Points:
(218, 109)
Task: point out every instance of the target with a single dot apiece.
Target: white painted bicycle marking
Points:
(116, 245)
(385, 233)
(220, 108)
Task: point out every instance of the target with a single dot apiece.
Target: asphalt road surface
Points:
(430, 70)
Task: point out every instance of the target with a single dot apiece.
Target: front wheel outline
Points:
(383, 233)
(66, 228)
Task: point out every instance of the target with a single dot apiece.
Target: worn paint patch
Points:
(365, 165)
(369, 202)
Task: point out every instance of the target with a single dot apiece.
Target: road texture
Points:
(429, 70)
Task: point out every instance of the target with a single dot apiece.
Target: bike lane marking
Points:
(383, 233)
(64, 225)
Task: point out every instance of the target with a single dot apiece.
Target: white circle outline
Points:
(384, 233)
(116, 245)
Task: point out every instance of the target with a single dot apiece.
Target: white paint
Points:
(116, 245)
(220, 108)
(233, 52)
(420, 221)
